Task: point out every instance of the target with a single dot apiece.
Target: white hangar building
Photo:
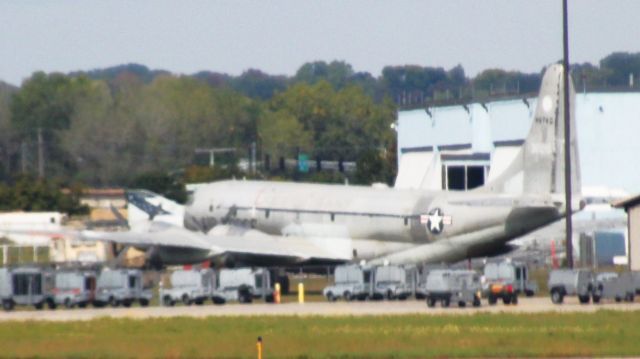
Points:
(460, 147)
(463, 146)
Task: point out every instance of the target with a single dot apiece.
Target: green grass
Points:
(604, 333)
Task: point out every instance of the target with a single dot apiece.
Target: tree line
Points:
(123, 125)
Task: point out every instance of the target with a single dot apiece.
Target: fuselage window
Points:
(266, 214)
(406, 221)
(333, 217)
(210, 208)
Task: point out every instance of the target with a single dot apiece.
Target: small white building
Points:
(30, 228)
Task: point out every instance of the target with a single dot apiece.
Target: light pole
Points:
(567, 136)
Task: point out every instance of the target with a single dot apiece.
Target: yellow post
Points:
(259, 347)
(276, 293)
(300, 292)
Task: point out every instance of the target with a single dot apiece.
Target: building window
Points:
(475, 176)
(463, 177)
(456, 178)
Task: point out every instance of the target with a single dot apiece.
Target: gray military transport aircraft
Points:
(280, 223)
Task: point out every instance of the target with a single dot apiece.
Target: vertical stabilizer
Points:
(539, 167)
(145, 206)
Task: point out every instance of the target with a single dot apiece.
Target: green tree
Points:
(8, 143)
(30, 194)
(337, 73)
(281, 133)
(163, 184)
(47, 102)
(620, 65)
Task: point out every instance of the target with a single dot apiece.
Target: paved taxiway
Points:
(526, 305)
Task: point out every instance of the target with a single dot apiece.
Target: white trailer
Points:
(570, 282)
(121, 286)
(393, 282)
(350, 282)
(610, 285)
(243, 285)
(26, 286)
(457, 286)
(74, 287)
(189, 286)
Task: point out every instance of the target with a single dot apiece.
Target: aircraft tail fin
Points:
(145, 206)
(539, 167)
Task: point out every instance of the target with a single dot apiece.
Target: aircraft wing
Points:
(298, 248)
(168, 237)
(244, 244)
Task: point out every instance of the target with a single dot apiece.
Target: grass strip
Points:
(603, 333)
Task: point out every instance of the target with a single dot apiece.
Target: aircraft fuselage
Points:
(378, 221)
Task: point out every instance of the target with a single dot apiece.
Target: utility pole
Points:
(213, 151)
(567, 136)
(40, 154)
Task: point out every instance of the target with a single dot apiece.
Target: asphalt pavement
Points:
(525, 305)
